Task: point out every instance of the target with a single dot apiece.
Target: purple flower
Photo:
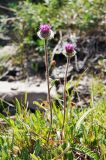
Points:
(69, 48)
(45, 28)
(45, 32)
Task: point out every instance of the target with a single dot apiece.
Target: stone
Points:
(59, 72)
(11, 74)
(9, 91)
(4, 40)
(8, 50)
(60, 89)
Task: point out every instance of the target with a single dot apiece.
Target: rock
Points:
(4, 40)
(60, 89)
(11, 74)
(60, 59)
(11, 79)
(36, 65)
(80, 104)
(8, 50)
(59, 72)
(80, 65)
(83, 87)
(9, 91)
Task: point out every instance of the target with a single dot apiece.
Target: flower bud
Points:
(69, 49)
(45, 32)
(45, 28)
(53, 63)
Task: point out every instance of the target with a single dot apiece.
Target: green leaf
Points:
(39, 105)
(87, 151)
(34, 157)
(79, 122)
(7, 120)
(69, 155)
(18, 106)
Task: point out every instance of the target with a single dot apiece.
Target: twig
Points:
(58, 44)
(8, 9)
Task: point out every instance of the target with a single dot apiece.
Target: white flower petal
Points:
(39, 35)
(50, 35)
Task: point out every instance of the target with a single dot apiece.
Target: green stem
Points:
(47, 79)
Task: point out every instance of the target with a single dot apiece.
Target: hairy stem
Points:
(47, 79)
(64, 95)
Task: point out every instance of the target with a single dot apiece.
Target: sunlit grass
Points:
(27, 135)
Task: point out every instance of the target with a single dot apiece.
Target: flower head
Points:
(45, 28)
(45, 32)
(69, 48)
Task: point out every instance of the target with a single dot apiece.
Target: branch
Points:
(7, 9)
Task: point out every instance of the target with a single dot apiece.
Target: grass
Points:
(3, 60)
(26, 137)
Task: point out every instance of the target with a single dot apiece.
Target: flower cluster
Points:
(45, 32)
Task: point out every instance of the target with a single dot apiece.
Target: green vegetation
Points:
(26, 137)
(32, 136)
(61, 14)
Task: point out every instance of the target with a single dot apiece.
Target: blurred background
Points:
(20, 20)
(83, 22)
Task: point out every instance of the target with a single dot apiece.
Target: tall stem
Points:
(64, 94)
(47, 79)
